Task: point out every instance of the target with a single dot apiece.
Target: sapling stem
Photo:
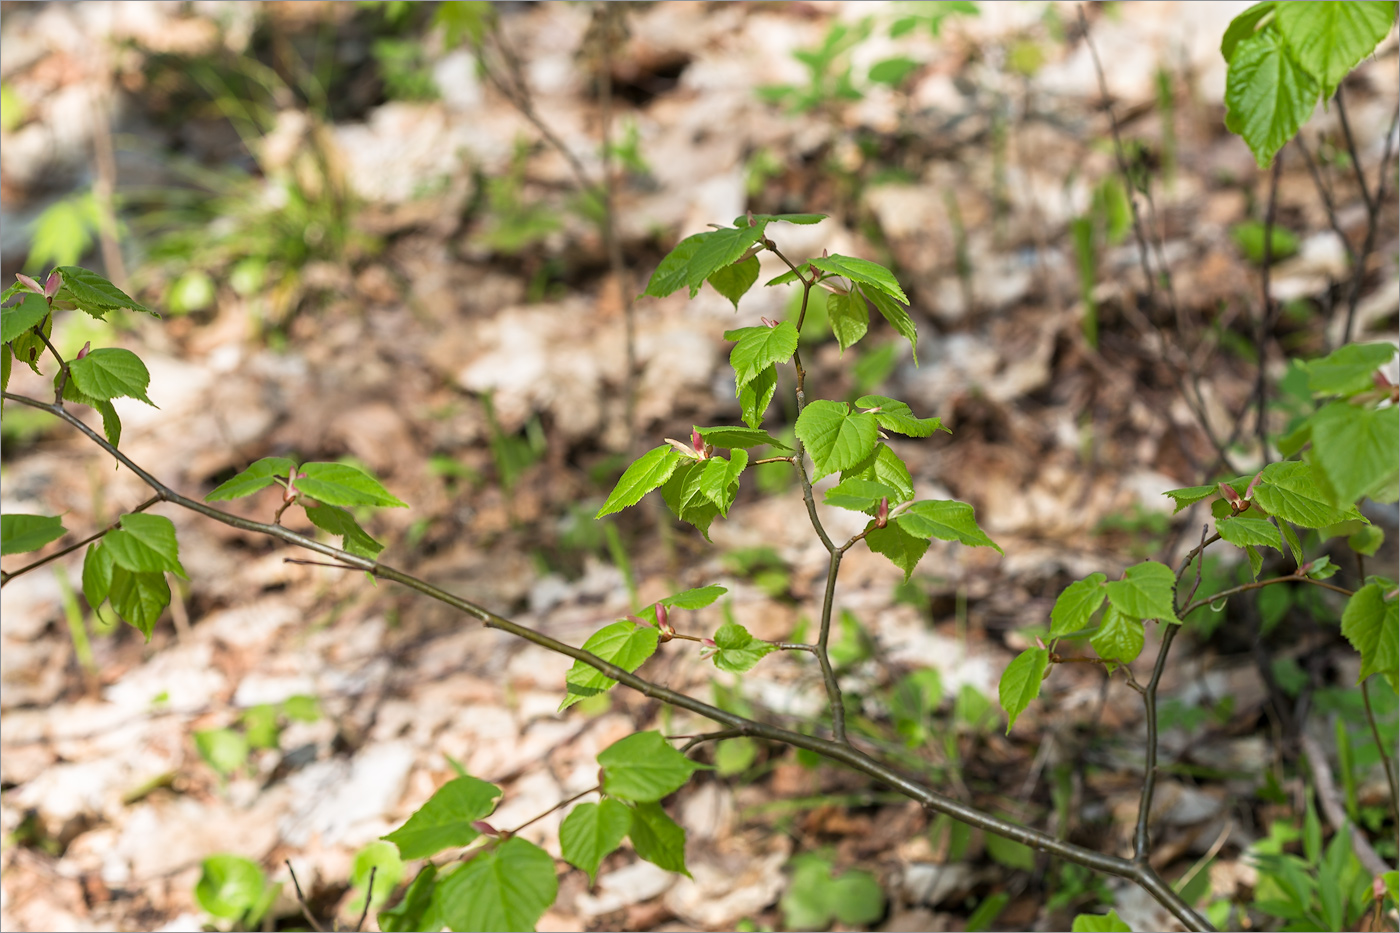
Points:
(558, 806)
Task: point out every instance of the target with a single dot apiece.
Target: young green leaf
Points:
(145, 544)
(699, 256)
(20, 532)
(1268, 94)
(139, 598)
(719, 479)
(836, 437)
(945, 520)
(591, 831)
(380, 861)
(97, 574)
(737, 651)
(860, 495)
(1354, 449)
(623, 643)
(1289, 491)
(1119, 637)
(415, 910)
(1290, 537)
(508, 887)
(445, 820)
(863, 271)
(1103, 923)
(6, 365)
(894, 415)
(1371, 623)
(735, 280)
(1244, 531)
(728, 438)
(111, 372)
(898, 317)
(848, 316)
(658, 838)
(697, 598)
(93, 294)
(758, 348)
(787, 277)
(229, 886)
(756, 395)
(1145, 592)
(803, 219)
(1243, 26)
(31, 310)
(1330, 39)
(884, 466)
(857, 899)
(642, 767)
(1348, 369)
(337, 521)
(649, 471)
(674, 270)
(1190, 495)
(1076, 604)
(1020, 684)
(342, 484)
(903, 549)
(259, 475)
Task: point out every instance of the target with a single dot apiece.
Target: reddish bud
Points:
(1380, 380)
(768, 323)
(750, 218)
(668, 631)
(1038, 642)
(55, 281)
(708, 643)
(882, 515)
(1378, 888)
(84, 351)
(697, 440)
(1249, 492)
(1237, 504)
(662, 620)
(825, 255)
(29, 283)
(485, 828)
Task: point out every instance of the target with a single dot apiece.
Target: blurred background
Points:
(410, 236)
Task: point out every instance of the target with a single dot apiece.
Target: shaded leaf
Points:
(507, 887)
(591, 831)
(20, 532)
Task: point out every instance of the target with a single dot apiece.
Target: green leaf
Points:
(591, 831)
(1290, 538)
(783, 218)
(1268, 95)
(697, 598)
(342, 484)
(97, 574)
(17, 320)
(657, 838)
(145, 544)
(1370, 622)
(1076, 604)
(848, 316)
(857, 899)
(1348, 369)
(902, 548)
(20, 532)
(6, 365)
(28, 346)
(508, 887)
(643, 767)
(734, 280)
(1354, 449)
(945, 520)
(682, 495)
(1010, 853)
(1119, 637)
(1146, 592)
(728, 438)
(383, 859)
(787, 277)
(261, 474)
(623, 643)
(337, 521)
(894, 415)
(735, 756)
(1020, 683)
(756, 395)
(893, 71)
(758, 348)
(95, 295)
(445, 820)
(1244, 531)
(1365, 540)
(860, 495)
(1242, 27)
(1109, 922)
(719, 479)
(884, 466)
(898, 317)
(111, 372)
(649, 471)
(807, 903)
(1330, 39)
(699, 256)
(414, 911)
(223, 749)
(737, 651)
(673, 271)
(229, 886)
(1289, 491)
(863, 271)
(836, 437)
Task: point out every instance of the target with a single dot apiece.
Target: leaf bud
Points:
(84, 351)
(52, 285)
(768, 323)
(485, 828)
(29, 283)
(882, 515)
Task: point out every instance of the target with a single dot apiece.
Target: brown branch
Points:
(558, 806)
(1381, 747)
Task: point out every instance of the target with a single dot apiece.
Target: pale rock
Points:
(184, 675)
(708, 812)
(531, 795)
(456, 78)
(931, 884)
(257, 689)
(719, 894)
(28, 603)
(632, 884)
(338, 799)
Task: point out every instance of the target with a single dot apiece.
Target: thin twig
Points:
(1257, 584)
(301, 899)
(369, 893)
(1266, 316)
(1373, 211)
(1330, 800)
(1141, 874)
(1142, 835)
(558, 806)
(707, 737)
(7, 577)
(1386, 759)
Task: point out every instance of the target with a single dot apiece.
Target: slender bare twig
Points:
(369, 894)
(1139, 873)
(707, 737)
(1266, 316)
(1373, 209)
(558, 806)
(301, 899)
(1142, 836)
(1381, 746)
(7, 577)
(1257, 584)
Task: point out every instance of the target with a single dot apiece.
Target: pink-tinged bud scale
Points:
(51, 287)
(29, 283)
(882, 515)
(84, 351)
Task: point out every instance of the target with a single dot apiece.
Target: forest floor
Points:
(453, 325)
